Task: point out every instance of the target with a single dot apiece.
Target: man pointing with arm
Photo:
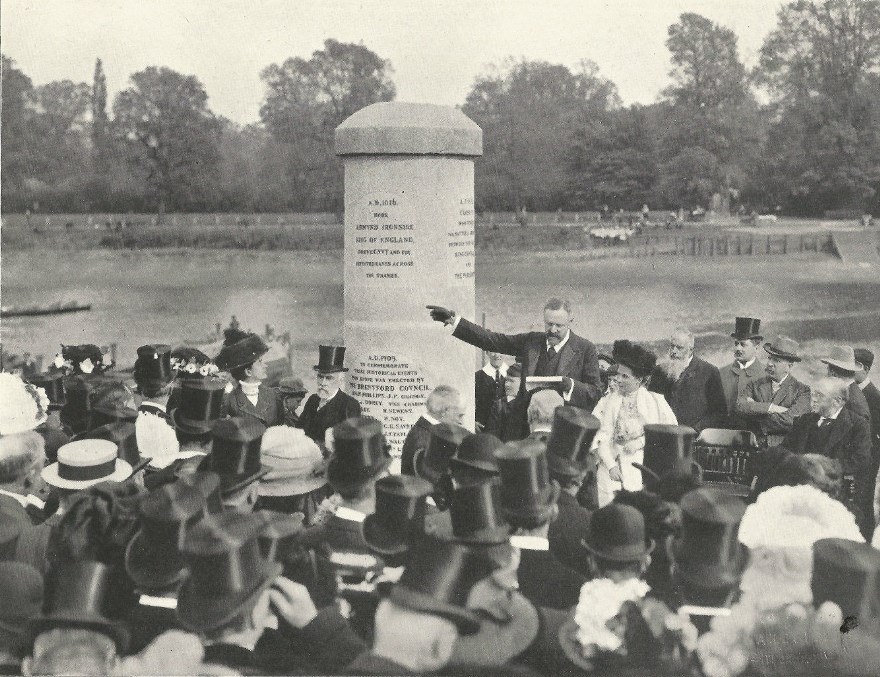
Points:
(557, 351)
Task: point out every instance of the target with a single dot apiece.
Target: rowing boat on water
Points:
(55, 309)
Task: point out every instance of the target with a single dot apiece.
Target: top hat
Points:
(668, 449)
(784, 348)
(152, 558)
(747, 328)
(291, 385)
(53, 385)
(123, 435)
(83, 463)
(330, 359)
(847, 573)
(10, 530)
(527, 492)
(240, 353)
(360, 452)
(863, 357)
(78, 594)
(477, 452)
(295, 463)
(617, 533)
(432, 463)
(476, 516)
(279, 534)
(438, 578)
(235, 453)
(153, 365)
(640, 360)
(227, 570)
(842, 357)
(708, 553)
(399, 515)
(21, 589)
(571, 436)
(201, 404)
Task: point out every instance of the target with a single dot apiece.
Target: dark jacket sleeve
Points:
(716, 404)
(507, 344)
(796, 437)
(329, 641)
(588, 386)
(859, 460)
(352, 407)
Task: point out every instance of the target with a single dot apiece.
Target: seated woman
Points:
(623, 413)
(242, 355)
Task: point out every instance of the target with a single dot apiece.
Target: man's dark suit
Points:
(508, 418)
(266, 409)
(315, 422)
(697, 397)
(872, 397)
(577, 359)
(792, 395)
(417, 438)
(735, 380)
(486, 391)
(565, 532)
(857, 403)
(33, 541)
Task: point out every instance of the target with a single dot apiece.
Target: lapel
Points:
(839, 429)
(533, 354)
(244, 404)
(784, 392)
(567, 357)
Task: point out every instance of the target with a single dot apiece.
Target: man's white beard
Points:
(673, 368)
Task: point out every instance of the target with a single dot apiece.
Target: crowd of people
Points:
(187, 519)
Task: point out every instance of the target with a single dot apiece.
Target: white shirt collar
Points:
(747, 364)
(864, 384)
(830, 418)
(530, 542)
(158, 405)
(430, 419)
(350, 514)
(778, 384)
(559, 345)
(490, 370)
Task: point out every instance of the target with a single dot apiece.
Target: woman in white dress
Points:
(623, 413)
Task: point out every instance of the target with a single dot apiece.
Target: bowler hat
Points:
(843, 358)
(476, 515)
(279, 534)
(123, 435)
(708, 553)
(438, 578)
(291, 385)
(432, 463)
(21, 589)
(668, 449)
(330, 359)
(360, 453)
(863, 357)
(53, 385)
(235, 453)
(83, 463)
(747, 328)
(399, 515)
(240, 353)
(227, 570)
(201, 404)
(10, 530)
(784, 348)
(847, 573)
(571, 436)
(528, 495)
(152, 558)
(477, 452)
(78, 594)
(639, 359)
(152, 368)
(617, 533)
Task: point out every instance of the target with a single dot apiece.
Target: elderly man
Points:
(842, 365)
(691, 385)
(557, 351)
(541, 412)
(745, 368)
(330, 405)
(444, 405)
(771, 404)
(488, 387)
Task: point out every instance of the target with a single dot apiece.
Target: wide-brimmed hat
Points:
(399, 516)
(227, 570)
(708, 553)
(295, 463)
(668, 449)
(280, 534)
(747, 328)
(477, 452)
(475, 515)
(21, 589)
(83, 463)
(843, 358)
(235, 453)
(528, 495)
(85, 358)
(784, 348)
(360, 453)
(568, 447)
(78, 594)
(201, 405)
(330, 359)
(152, 368)
(617, 533)
(244, 351)
(25, 406)
(639, 359)
(847, 573)
(432, 463)
(291, 386)
(152, 558)
(122, 434)
(52, 384)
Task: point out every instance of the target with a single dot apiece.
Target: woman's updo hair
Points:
(640, 360)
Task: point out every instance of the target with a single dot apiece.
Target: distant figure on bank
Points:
(557, 351)
(745, 368)
(242, 355)
(443, 405)
(691, 386)
(488, 387)
(329, 405)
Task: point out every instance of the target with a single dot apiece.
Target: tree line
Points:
(800, 132)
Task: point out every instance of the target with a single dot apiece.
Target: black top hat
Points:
(527, 492)
(640, 360)
(201, 404)
(53, 384)
(153, 559)
(571, 436)
(227, 570)
(475, 514)
(668, 448)
(279, 534)
(708, 553)
(78, 594)
(235, 453)
(240, 353)
(477, 452)
(399, 515)
(10, 530)
(360, 452)
(432, 463)
(122, 434)
(848, 574)
(747, 328)
(152, 368)
(439, 577)
(330, 359)
(617, 533)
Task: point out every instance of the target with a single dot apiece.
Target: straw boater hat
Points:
(784, 348)
(295, 463)
(83, 463)
(843, 358)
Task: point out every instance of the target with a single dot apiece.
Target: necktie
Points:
(824, 421)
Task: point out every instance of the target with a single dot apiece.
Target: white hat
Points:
(86, 462)
(297, 466)
(25, 406)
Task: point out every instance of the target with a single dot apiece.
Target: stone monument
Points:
(409, 241)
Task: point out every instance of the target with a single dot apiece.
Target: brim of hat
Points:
(229, 484)
(841, 365)
(84, 620)
(707, 575)
(467, 622)
(332, 370)
(505, 640)
(199, 613)
(565, 467)
(50, 476)
(422, 471)
(382, 541)
(189, 426)
(743, 337)
(781, 353)
(647, 473)
(631, 554)
(227, 365)
(290, 486)
(483, 466)
(162, 462)
(540, 513)
(147, 569)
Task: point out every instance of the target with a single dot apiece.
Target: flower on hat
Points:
(87, 366)
(24, 405)
(190, 368)
(107, 359)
